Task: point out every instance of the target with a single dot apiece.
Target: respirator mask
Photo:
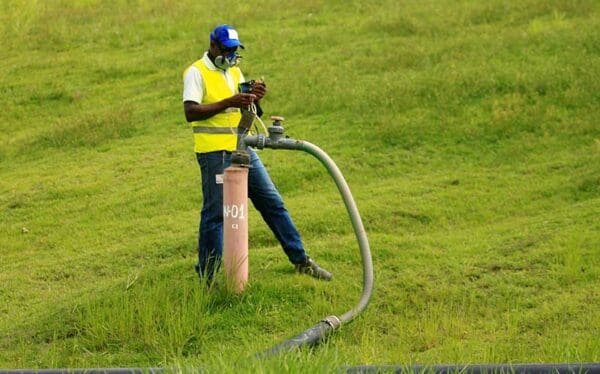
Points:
(227, 60)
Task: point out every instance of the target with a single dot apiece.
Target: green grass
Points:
(468, 131)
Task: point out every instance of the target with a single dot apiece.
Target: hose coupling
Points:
(332, 321)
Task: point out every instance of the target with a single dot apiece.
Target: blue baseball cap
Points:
(227, 36)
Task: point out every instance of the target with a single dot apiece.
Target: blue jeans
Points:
(266, 200)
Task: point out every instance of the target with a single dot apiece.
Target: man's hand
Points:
(259, 89)
(198, 112)
(241, 100)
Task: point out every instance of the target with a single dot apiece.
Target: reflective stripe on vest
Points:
(219, 132)
(215, 130)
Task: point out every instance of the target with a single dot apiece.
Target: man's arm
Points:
(198, 112)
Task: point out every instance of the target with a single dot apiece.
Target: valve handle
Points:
(277, 120)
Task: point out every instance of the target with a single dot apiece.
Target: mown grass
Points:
(468, 132)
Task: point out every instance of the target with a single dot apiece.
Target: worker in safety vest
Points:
(212, 102)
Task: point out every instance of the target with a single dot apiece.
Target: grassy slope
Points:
(468, 132)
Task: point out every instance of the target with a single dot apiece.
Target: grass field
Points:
(468, 131)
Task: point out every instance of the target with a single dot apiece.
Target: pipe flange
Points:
(260, 141)
(276, 129)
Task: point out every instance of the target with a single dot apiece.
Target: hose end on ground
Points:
(309, 337)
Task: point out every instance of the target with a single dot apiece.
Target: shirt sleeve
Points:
(193, 86)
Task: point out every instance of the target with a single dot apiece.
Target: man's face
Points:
(224, 57)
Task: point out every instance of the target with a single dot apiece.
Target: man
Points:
(212, 102)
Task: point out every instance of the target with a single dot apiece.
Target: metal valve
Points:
(276, 130)
(277, 120)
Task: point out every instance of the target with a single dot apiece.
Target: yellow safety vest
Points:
(219, 132)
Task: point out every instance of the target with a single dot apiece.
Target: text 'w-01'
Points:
(234, 211)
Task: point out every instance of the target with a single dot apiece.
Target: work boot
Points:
(311, 268)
